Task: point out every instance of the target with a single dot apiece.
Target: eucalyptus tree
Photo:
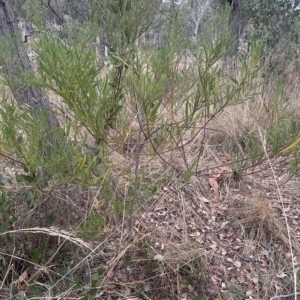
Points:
(15, 65)
(194, 13)
(235, 20)
(272, 20)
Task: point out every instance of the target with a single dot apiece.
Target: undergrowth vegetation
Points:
(173, 178)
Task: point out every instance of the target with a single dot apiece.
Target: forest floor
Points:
(215, 236)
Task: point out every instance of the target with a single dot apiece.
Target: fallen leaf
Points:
(249, 292)
(237, 264)
(254, 280)
(21, 278)
(195, 234)
(215, 186)
(204, 199)
(159, 208)
(199, 239)
(215, 279)
(281, 275)
(159, 257)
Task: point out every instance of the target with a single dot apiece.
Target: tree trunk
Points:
(235, 21)
(172, 10)
(19, 64)
(172, 5)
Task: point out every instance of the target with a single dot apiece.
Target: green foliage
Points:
(94, 280)
(91, 226)
(127, 260)
(273, 20)
(282, 131)
(124, 21)
(173, 91)
(153, 84)
(24, 133)
(71, 72)
(7, 210)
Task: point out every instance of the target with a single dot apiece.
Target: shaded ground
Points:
(191, 240)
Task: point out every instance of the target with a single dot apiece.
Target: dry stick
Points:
(8, 269)
(137, 160)
(263, 139)
(53, 231)
(145, 296)
(285, 296)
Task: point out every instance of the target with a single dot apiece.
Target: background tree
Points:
(272, 21)
(17, 65)
(195, 11)
(235, 20)
(275, 24)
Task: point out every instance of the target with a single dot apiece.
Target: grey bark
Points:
(172, 5)
(19, 64)
(235, 20)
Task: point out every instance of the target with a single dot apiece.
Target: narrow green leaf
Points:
(50, 219)
(130, 192)
(128, 5)
(234, 80)
(127, 260)
(22, 178)
(95, 277)
(20, 139)
(29, 195)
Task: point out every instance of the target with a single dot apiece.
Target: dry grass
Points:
(186, 243)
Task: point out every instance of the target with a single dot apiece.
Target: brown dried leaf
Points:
(237, 264)
(159, 208)
(215, 279)
(21, 278)
(199, 239)
(281, 275)
(215, 186)
(204, 199)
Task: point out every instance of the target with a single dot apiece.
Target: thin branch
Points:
(61, 20)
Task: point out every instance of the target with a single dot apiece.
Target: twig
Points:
(284, 296)
(145, 296)
(8, 269)
(57, 14)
